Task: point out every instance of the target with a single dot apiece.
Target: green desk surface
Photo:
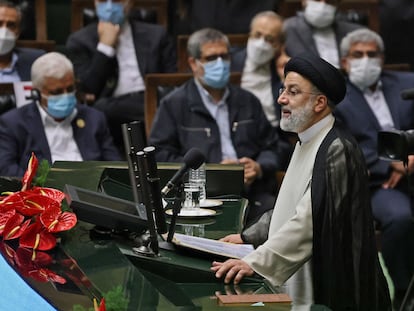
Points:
(172, 281)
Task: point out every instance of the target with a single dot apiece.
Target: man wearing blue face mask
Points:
(53, 126)
(225, 122)
(373, 103)
(317, 29)
(15, 63)
(111, 58)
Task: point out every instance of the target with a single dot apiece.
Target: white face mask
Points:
(364, 72)
(7, 40)
(319, 14)
(259, 51)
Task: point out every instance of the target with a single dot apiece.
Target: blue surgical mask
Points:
(110, 12)
(216, 73)
(61, 106)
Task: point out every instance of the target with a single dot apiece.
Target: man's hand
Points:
(232, 269)
(108, 33)
(398, 171)
(233, 238)
(393, 180)
(252, 170)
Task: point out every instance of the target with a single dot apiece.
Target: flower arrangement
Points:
(31, 217)
(34, 214)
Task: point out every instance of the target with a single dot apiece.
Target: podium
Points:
(175, 280)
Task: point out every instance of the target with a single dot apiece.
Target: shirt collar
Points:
(311, 132)
(13, 63)
(207, 98)
(47, 119)
(378, 88)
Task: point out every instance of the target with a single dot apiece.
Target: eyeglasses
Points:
(293, 92)
(210, 58)
(361, 54)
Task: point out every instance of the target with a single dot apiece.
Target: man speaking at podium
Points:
(321, 237)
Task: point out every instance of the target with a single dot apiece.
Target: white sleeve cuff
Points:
(106, 49)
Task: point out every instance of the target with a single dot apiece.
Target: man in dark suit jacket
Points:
(318, 30)
(15, 63)
(112, 57)
(53, 126)
(373, 103)
(262, 63)
(225, 122)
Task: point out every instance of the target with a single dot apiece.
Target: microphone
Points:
(154, 188)
(407, 94)
(192, 159)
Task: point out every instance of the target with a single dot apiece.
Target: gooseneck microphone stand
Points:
(176, 208)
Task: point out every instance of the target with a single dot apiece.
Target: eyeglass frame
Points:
(289, 93)
(214, 57)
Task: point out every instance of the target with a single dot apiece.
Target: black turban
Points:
(323, 75)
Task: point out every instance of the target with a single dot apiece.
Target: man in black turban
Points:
(321, 242)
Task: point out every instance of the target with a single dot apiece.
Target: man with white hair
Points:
(54, 126)
(373, 103)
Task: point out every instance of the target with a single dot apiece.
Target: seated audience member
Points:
(111, 58)
(262, 64)
(227, 16)
(318, 30)
(53, 126)
(258, 61)
(224, 121)
(321, 241)
(373, 103)
(15, 63)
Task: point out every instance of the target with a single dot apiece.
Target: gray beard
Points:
(298, 119)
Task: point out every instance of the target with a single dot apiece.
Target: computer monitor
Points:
(106, 211)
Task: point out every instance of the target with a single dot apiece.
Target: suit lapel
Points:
(34, 123)
(390, 88)
(356, 96)
(305, 35)
(139, 36)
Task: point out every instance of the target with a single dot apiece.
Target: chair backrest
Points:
(236, 40)
(159, 6)
(40, 20)
(155, 80)
(46, 45)
(350, 9)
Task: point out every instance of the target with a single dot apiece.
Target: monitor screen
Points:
(104, 210)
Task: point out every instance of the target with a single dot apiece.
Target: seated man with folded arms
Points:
(111, 58)
(321, 242)
(224, 121)
(54, 126)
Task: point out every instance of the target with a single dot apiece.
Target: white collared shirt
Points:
(129, 77)
(10, 74)
(379, 107)
(326, 45)
(60, 138)
(220, 112)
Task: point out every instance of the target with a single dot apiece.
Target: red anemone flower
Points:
(30, 172)
(15, 226)
(37, 237)
(55, 220)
